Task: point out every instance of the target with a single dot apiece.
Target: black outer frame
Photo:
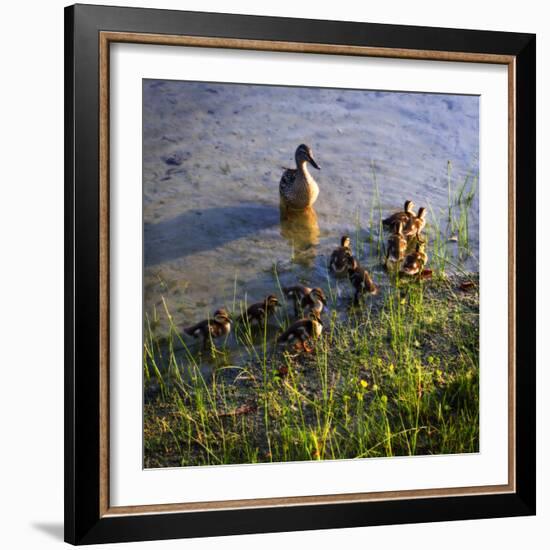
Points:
(83, 524)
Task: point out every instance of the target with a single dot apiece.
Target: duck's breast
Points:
(298, 190)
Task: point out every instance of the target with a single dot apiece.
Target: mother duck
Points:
(298, 189)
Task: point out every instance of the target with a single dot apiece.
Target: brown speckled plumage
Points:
(415, 261)
(305, 299)
(340, 258)
(397, 245)
(298, 189)
(257, 312)
(400, 217)
(314, 302)
(296, 293)
(416, 224)
(302, 331)
(361, 281)
(218, 326)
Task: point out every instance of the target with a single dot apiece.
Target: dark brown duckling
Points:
(361, 281)
(306, 299)
(296, 294)
(404, 217)
(415, 261)
(218, 326)
(302, 332)
(340, 257)
(397, 245)
(314, 302)
(257, 312)
(416, 224)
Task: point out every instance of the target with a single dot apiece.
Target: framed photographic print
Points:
(300, 277)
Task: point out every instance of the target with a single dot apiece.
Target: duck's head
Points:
(221, 316)
(271, 301)
(409, 205)
(345, 241)
(422, 213)
(304, 154)
(319, 294)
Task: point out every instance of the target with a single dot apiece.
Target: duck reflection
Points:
(300, 228)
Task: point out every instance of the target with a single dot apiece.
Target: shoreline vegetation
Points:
(397, 376)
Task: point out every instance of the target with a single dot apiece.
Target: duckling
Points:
(403, 217)
(314, 302)
(296, 294)
(415, 261)
(305, 298)
(340, 257)
(416, 224)
(302, 332)
(298, 189)
(257, 312)
(361, 281)
(219, 325)
(397, 244)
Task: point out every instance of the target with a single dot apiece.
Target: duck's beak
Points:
(313, 163)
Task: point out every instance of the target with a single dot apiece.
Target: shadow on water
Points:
(197, 230)
(300, 228)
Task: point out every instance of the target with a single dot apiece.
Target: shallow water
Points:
(213, 156)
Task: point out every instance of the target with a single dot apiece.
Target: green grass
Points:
(398, 378)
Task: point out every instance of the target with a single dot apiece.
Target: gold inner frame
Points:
(105, 39)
